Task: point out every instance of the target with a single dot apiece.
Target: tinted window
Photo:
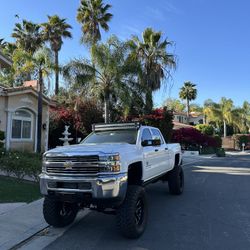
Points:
(116, 136)
(146, 135)
(157, 135)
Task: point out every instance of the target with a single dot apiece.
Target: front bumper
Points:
(111, 186)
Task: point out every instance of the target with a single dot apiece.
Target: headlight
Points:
(111, 162)
(43, 165)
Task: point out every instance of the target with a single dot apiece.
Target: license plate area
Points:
(70, 185)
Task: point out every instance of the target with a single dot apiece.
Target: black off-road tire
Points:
(132, 214)
(176, 180)
(59, 214)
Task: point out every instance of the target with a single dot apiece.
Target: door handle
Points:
(156, 150)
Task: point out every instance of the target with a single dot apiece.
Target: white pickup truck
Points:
(107, 172)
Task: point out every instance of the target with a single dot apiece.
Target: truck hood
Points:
(93, 149)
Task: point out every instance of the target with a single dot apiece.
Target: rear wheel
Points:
(176, 180)
(133, 213)
(59, 214)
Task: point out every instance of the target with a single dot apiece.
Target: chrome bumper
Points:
(101, 187)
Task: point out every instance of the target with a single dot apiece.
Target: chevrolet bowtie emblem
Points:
(68, 165)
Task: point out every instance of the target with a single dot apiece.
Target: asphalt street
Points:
(212, 213)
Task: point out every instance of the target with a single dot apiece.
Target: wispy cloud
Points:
(171, 8)
(160, 13)
(126, 31)
(132, 29)
(155, 13)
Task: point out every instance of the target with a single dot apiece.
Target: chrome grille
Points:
(88, 158)
(77, 165)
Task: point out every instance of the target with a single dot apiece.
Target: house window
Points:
(21, 125)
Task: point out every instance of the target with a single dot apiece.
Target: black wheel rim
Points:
(66, 210)
(139, 212)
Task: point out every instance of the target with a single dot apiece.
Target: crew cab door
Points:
(155, 157)
(149, 155)
(163, 156)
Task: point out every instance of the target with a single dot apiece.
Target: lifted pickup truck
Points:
(107, 171)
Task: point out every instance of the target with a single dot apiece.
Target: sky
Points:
(211, 38)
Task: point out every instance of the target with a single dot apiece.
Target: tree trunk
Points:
(106, 107)
(39, 112)
(149, 102)
(56, 73)
(225, 128)
(187, 111)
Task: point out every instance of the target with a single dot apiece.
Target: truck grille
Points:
(88, 158)
(77, 165)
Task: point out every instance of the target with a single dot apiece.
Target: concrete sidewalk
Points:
(21, 223)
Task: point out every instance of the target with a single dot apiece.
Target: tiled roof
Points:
(8, 90)
(178, 125)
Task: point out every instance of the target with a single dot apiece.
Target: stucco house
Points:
(18, 115)
(194, 118)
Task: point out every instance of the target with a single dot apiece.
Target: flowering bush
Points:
(191, 137)
(79, 120)
(160, 118)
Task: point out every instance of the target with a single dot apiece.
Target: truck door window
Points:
(157, 135)
(146, 135)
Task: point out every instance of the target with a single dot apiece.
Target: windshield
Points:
(116, 136)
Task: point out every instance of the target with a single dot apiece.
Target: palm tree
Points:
(40, 65)
(93, 15)
(2, 44)
(28, 36)
(109, 74)
(226, 106)
(188, 92)
(155, 61)
(220, 113)
(241, 117)
(54, 31)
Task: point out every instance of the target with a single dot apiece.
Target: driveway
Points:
(213, 213)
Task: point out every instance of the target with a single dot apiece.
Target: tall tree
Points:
(93, 15)
(110, 74)
(155, 61)
(241, 118)
(188, 92)
(174, 104)
(220, 113)
(54, 31)
(40, 64)
(28, 36)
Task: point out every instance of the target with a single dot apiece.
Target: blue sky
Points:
(212, 38)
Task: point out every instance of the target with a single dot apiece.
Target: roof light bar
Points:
(115, 126)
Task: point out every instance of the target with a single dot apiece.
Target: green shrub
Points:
(220, 152)
(205, 129)
(21, 164)
(207, 150)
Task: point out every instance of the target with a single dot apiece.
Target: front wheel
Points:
(133, 213)
(176, 180)
(59, 214)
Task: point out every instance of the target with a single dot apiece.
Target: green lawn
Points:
(13, 190)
